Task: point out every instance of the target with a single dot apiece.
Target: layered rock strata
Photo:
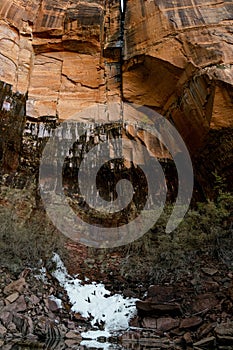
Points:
(61, 58)
(54, 52)
(177, 59)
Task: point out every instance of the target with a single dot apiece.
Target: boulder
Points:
(150, 307)
(209, 342)
(73, 335)
(224, 328)
(167, 323)
(15, 286)
(190, 322)
(12, 297)
(204, 302)
(17, 306)
(3, 330)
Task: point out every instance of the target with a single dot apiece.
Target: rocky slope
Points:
(195, 312)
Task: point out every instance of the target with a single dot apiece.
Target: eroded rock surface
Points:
(178, 60)
(61, 57)
(54, 52)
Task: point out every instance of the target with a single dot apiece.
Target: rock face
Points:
(183, 52)
(178, 59)
(57, 58)
(54, 53)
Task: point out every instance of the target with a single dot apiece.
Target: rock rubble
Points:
(30, 312)
(188, 318)
(169, 316)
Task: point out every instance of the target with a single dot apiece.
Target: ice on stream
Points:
(93, 301)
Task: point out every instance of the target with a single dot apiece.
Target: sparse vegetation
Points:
(206, 231)
(25, 244)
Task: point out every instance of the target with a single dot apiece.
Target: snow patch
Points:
(97, 345)
(56, 300)
(42, 275)
(95, 334)
(93, 301)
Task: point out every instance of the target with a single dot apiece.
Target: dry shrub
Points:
(27, 243)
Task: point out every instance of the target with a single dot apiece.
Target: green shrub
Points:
(205, 230)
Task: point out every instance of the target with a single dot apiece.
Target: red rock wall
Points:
(177, 58)
(55, 51)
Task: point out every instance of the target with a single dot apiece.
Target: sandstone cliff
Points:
(58, 57)
(178, 58)
(53, 51)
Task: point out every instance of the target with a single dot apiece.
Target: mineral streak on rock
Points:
(63, 56)
(12, 114)
(178, 59)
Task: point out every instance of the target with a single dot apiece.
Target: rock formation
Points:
(178, 59)
(54, 53)
(57, 58)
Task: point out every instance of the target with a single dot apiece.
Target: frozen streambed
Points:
(94, 302)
